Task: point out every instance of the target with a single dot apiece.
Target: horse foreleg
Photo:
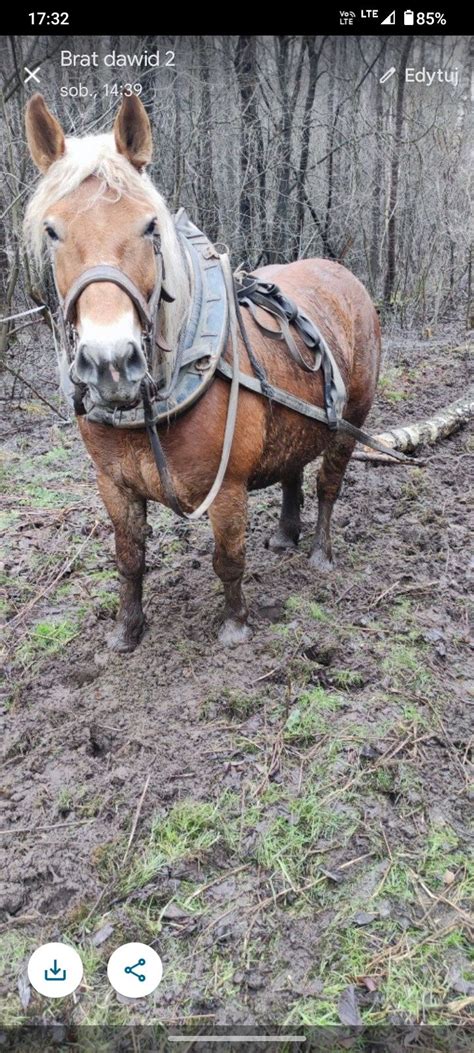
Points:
(334, 464)
(228, 515)
(128, 514)
(289, 527)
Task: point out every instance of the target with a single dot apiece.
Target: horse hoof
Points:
(320, 561)
(233, 633)
(122, 642)
(281, 542)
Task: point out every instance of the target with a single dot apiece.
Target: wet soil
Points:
(86, 732)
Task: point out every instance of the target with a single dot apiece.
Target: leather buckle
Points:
(202, 364)
(332, 417)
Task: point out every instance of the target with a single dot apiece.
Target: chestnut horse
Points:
(95, 205)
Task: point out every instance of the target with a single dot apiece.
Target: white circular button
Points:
(55, 970)
(134, 970)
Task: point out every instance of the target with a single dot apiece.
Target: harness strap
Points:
(284, 333)
(105, 272)
(292, 402)
(166, 479)
(253, 291)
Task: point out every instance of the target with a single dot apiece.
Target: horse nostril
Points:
(134, 364)
(84, 365)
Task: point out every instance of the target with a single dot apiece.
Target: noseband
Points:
(147, 310)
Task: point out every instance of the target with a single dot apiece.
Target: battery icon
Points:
(408, 18)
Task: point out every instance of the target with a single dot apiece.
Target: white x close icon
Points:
(31, 75)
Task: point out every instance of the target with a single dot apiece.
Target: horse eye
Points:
(150, 229)
(51, 233)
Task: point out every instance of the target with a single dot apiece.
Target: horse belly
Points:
(292, 441)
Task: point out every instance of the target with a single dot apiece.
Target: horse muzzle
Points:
(113, 375)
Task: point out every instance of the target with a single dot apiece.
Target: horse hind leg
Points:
(335, 460)
(285, 538)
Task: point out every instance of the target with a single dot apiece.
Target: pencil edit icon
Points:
(386, 76)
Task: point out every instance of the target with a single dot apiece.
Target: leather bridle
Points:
(147, 310)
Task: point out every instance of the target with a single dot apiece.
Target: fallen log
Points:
(409, 437)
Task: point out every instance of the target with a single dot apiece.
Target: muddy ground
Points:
(299, 856)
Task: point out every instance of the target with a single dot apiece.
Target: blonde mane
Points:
(97, 155)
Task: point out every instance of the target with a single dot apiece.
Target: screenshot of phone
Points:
(235, 317)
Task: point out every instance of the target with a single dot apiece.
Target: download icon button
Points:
(55, 970)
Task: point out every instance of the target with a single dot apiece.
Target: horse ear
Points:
(132, 132)
(44, 133)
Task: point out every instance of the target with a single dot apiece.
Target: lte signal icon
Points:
(389, 20)
(408, 18)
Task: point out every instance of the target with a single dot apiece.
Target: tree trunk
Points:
(252, 199)
(209, 203)
(424, 433)
(301, 173)
(390, 274)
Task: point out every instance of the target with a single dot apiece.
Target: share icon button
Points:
(134, 970)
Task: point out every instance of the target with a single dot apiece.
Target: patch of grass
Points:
(15, 950)
(318, 613)
(103, 576)
(47, 638)
(390, 385)
(234, 704)
(106, 603)
(383, 780)
(294, 603)
(415, 485)
(412, 982)
(64, 801)
(311, 716)
(88, 806)
(404, 662)
(291, 839)
(445, 854)
(347, 678)
(57, 453)
(413, 714)
(188, 832)
(221, 970)
(8, 519)
(41, 497)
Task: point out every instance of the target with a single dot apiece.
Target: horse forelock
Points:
(97, 155)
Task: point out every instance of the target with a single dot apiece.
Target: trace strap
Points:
(166, 479)
(292, 402)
